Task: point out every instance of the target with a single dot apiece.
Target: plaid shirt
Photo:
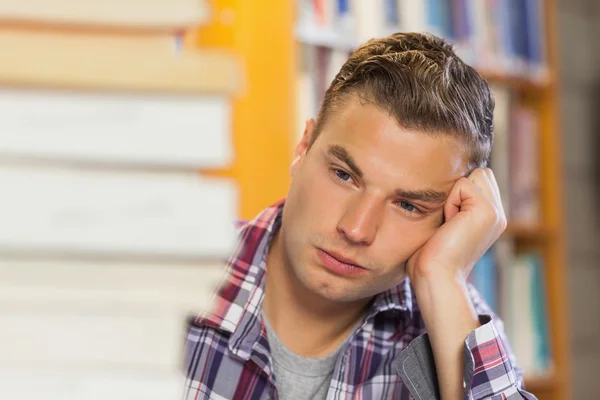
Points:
(227, 354)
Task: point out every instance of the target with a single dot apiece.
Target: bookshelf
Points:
(283, 91)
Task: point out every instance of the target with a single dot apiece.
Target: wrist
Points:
(445, 304)
(439, 281)
(449, 317)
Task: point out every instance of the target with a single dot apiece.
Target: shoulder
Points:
(240, 224)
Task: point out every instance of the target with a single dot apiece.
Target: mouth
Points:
(339, 264)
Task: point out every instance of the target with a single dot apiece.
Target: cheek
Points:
(400, 238)
(312, 203)
(322, 199)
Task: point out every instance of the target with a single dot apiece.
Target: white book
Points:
(98, 383)
(500, 155)
(525, 205)
(307, 104)
(337, 59)
(108, 62)
(190, 131)
(107, 286)
(480, 40)
(522, 324)
(413, 16)
(504, 251)
(305, 12)
(369, 19)
(157, 14)
(85, 314)
(70, 211)
(330, 8)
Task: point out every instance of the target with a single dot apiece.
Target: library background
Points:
(133, 132)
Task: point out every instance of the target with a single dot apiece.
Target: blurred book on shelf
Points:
(515, 157)
(501, 38)
(513, 284)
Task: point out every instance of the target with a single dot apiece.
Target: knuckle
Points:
(493, 216)
(478, 172)
(500, 219)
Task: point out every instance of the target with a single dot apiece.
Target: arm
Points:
(449, 317)
(488, 364)
(474, 219)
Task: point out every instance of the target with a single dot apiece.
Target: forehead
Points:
(382, 148)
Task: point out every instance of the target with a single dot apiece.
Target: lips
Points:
(343, 259)
(339, 264)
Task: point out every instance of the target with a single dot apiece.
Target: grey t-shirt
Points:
(297, 377)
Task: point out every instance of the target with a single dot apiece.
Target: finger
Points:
(494, 183)
(492, 178)
(461, 197)
(485, 179)
(493, 191)
(481, 179)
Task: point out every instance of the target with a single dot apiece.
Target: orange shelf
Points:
(541, 384)
(523, 84)
(531, 232)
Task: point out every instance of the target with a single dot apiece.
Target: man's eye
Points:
(407, 206)
(343, 175)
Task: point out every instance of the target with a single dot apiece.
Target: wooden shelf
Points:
(529, 232)
(541, 384)
(523, 84)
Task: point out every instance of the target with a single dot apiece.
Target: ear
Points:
(302, 146)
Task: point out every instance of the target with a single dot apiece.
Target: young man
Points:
(354, 287)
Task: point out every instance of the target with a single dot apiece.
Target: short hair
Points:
(420, 81)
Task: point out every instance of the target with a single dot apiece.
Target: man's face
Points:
(363, 199)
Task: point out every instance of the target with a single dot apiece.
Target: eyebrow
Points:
(427, 196)
(341, 154)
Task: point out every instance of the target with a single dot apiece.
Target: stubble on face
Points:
(320, 210)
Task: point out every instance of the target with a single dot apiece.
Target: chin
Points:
(329, 286)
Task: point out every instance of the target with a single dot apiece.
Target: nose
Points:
(360, 222)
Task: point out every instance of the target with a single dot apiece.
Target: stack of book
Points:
(111, 236)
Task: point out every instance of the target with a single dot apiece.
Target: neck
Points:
(305, 322)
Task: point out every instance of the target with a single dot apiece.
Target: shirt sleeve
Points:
(490, 370)
(490, 363)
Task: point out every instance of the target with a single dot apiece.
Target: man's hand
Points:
(474, 219)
